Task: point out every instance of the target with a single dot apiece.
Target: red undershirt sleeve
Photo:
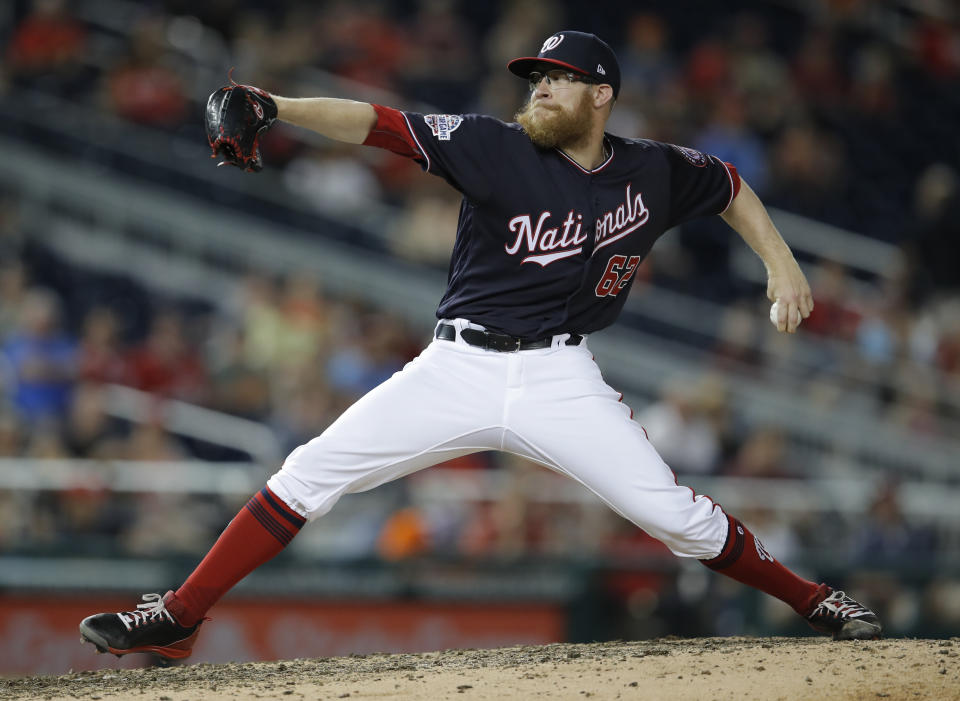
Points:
(734, 180)
(392, 132)
(465, 150)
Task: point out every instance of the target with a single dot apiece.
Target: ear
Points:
(603, 95)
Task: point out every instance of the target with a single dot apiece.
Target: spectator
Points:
(738, 339)
(332, 181)
(48, 49)
(88, 432)
(917, 395)
(261, 321)
(835, 312)
(948, 348)
(165, 363)
(239, 387)
(424, 231)
(45, 443)
(303, 329)
(372, 356)
(13, 239)
(150, 441)
(817, 73)
(41, 359)
(681, 424)
(507, 528)
(937, 45)
(306, 410)
(874, 90)
(876, 339)
(362, 42)
(728, 137)
(275, 47)
(708, 70)
(760, 78)
(144, 88)
(165, 524)
(807, 172)
(88, 515)
(935, 244)
(440, 65)
(13, 286)
(886, 536)
(404, 535)
(647, 61)
(100, 356)
(763, 454)
(11, 435)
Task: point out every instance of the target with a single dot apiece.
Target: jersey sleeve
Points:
(700, 184)
(461, 149)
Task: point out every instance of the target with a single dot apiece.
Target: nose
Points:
(542, 89)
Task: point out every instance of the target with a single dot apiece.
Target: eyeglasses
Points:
(558, 79)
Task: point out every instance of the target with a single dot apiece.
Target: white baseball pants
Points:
(549, 405)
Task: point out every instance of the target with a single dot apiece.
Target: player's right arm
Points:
(342, 120)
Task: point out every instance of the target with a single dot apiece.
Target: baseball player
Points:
(556, 217)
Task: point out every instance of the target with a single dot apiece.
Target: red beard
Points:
(553, 126)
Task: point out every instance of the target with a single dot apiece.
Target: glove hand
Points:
(235, 117)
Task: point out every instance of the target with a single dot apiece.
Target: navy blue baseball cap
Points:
(579, 52)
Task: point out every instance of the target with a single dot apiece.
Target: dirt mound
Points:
(707, 668)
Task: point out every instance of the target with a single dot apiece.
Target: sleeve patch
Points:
(692, 155)
(442, 125)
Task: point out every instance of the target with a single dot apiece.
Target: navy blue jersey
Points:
(544, 246)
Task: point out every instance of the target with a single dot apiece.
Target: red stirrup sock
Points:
(261, 529)
(744, 559)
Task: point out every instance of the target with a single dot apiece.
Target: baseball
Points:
(775, 311)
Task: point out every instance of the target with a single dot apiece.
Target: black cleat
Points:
(100, 649)
(845, 619)
(151, 628)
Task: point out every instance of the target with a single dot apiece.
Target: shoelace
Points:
(839, 604)
(151, 610)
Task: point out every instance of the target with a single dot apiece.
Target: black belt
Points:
(491, 340)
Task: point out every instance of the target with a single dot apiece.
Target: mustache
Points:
(560, 126)
(541, 103)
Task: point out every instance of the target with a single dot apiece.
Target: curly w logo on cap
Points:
(551, 43)
(584, 53)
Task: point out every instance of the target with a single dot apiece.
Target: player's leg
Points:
(417, 418)
(578, 426)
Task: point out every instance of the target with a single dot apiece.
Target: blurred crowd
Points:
(288, 356)
(292, 356)
(836, 111)
(844, 113)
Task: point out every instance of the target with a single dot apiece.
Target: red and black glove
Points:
(236, 116)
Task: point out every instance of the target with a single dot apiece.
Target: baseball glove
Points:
(236, 115)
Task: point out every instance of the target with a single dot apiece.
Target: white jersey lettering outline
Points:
(541, 243)
(546, 240)
(622, 221)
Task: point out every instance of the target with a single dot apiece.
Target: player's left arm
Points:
(786, 284)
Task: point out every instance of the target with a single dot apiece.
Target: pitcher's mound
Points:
(792, 669)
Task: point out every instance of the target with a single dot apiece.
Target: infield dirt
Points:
(793, 669)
